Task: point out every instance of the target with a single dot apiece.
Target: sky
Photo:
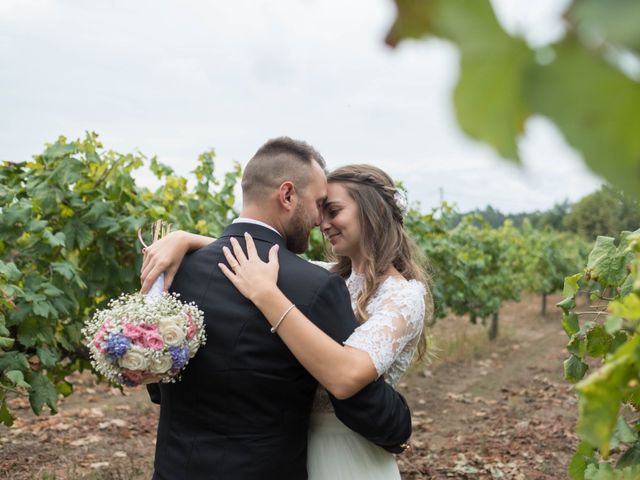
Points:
(176, 78)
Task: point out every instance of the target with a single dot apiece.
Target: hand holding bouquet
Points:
(144, 339)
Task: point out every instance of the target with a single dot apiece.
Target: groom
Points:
(241, 410)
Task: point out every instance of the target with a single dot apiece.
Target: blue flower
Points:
(117, 345)
(179, 357)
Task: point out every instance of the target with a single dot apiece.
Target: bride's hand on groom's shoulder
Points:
(254, 278)
(164, 255)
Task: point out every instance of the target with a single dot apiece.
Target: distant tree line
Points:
(604, 212)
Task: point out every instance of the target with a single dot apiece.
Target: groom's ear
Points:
(285, 195)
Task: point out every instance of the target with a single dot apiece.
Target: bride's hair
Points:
(383, 240)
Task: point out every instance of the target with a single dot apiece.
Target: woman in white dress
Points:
(363, 221)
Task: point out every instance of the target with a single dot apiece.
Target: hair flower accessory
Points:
(401, 201)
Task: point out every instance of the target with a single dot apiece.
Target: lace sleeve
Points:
(396, 315)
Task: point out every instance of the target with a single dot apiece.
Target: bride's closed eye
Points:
(332, 211)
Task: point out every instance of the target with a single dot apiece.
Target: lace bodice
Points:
(390, 335)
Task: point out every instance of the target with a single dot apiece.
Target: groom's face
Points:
(308, 211)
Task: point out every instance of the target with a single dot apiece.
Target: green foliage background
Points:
(68, 244)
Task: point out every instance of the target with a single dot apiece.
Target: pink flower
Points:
(153, 340)
(191, 327)
(134, 332)
(135, 376)
(99, 344)
(148, 327)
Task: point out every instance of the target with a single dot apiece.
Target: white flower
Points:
(193, 345)
(160, 364)
(401, 200)
(134, 359)
(168, 322)
(172, 335)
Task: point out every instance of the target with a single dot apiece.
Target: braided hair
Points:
(384, 242)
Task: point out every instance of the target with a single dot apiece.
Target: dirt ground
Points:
(482, 410)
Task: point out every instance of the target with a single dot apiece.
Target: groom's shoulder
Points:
(298, 274)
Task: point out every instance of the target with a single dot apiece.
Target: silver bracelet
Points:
(275, 329)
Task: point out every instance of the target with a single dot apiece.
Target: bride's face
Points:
(340, 223)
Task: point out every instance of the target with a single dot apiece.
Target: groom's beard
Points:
(299, 230)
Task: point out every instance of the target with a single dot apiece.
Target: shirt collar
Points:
(255, 222)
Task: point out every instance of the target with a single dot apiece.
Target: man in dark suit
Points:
(241, 410)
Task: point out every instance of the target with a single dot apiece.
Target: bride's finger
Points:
(227, 273)
(251, 246)
(231, 260)
(273, 254)
(237, 251)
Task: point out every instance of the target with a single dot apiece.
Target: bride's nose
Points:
(324, 224)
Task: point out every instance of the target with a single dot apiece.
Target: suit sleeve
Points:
(377, 412)
(154, 392)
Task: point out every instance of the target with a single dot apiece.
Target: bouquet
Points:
(144, 339)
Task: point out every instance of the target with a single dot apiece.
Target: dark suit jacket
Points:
(241, 410)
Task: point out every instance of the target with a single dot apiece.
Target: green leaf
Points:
(602, 471)
(574, 369)
(64, 268)
(630, 457)
(627, 286)
(607, 263)
(97, 210)
(619, 339)
(570, 324)
(599, 398)
(64, 388)
(6, 343)
(33, 329)
(605, 127)
(496, 117)
(13, 361)
(598, 341)
(51, 290)
(48, 357)
(5, 416)
(614, 20)
(628, 307)
(56, 240)
(622, 434)
(571, 285)
(567, 304)
(58, 150)
(36, 226)
(41, 309)
(578, 341)
(10, 271)
(613, 324)
(17, 378)
(78, 234)
(42, 392)
(581, 459)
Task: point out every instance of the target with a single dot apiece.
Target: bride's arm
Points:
(165, 256)
(342, 370)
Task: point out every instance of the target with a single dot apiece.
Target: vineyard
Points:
(68, 244)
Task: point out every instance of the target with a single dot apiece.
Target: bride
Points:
(363, 221)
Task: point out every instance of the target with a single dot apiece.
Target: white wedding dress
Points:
(390, 336)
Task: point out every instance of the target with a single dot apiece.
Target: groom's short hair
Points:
(275, 162)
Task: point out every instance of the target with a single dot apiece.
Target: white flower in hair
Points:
(402, 202)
